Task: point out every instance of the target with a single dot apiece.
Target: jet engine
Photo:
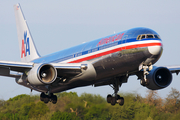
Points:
(158, 78)
(42, 74)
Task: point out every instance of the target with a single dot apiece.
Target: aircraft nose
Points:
(155, 50)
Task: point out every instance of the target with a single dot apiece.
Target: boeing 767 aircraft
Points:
(109, 60)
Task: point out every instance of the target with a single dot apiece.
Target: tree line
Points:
(70, 106)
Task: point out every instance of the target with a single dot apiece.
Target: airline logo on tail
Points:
(17, 8)
(25, 50)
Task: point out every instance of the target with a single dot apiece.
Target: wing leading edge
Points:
(6, 67)
(174, 69)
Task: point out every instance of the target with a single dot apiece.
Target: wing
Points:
(174, 69)
(15, 69)
(6, 68)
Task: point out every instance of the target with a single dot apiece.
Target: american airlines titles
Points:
(110, 39)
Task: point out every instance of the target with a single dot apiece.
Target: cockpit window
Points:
(149, 36)
(156, 36)
(143, 36)
(139, 37)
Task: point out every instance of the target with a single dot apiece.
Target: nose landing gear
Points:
(145, 71)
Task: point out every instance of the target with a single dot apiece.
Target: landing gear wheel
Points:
(118, 97)
(113, 101)
(54, 99)
(143, 83)
(109, 97)
(147, 82)
(121, 101)
(42, 96)
(46, 99)
(116, 83)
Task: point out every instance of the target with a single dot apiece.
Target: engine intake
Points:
(158, 78)
(42, 74)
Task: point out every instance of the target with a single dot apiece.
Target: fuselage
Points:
(114, 55)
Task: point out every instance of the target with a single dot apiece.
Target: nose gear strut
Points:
(144, 81)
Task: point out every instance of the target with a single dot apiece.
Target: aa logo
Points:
(25, 50)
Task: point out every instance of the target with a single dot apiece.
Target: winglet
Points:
(28, 51)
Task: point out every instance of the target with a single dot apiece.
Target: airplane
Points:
(109, 60)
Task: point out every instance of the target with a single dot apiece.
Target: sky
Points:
(59, 24)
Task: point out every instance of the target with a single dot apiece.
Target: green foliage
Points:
(34, 110)
(64, 116)
(38, 109)
(96, 99)
(67, 94)
(18, 97)
(22, 107)
(70, 106)
(25, 108)
(98, 111)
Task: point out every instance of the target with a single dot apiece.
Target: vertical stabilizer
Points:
(28, 51)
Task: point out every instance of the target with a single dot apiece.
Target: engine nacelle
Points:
(158, 78)
(42, 74)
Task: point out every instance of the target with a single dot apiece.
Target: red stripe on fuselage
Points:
(115, 50)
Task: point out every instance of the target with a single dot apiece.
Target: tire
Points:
(54, 99)
(109, 97)
(118, 97)
(113, 101)
(147, 82)
(142, 82)
(121, 103)
(42, 96)
(46, 99)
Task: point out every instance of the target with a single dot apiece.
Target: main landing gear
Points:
(115, 98)
(48, 98)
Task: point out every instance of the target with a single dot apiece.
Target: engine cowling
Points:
(158, 78)
(42, 74)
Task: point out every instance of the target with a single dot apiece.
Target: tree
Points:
(38, 110)
(172, 103)
(154, 99)
(174, 94)
(64, 116)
